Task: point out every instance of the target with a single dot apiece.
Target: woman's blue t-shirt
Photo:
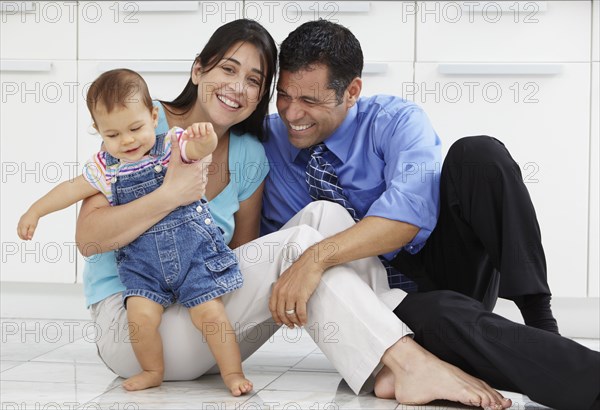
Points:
(248, 167)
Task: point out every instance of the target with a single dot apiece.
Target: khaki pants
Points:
(352, 305)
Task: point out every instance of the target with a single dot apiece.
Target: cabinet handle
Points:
(16, 6)
(32, 66)
(148, 66)
(522, 6)
(158, 6)
(375, 68)
(499, 69)
(333, 6)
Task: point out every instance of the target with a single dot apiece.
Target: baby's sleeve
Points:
(182, 143)
(94, 172)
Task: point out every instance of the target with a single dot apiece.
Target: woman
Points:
(230, 86)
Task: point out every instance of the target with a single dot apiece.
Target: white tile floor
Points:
(46, 364)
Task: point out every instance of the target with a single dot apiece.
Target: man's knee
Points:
(482, 156)
(301, 238)
(324, 208)
(480, 148)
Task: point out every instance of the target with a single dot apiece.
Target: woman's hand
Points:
(103, 228)
(184, 183)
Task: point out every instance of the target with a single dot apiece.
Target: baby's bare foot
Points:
(143, 380)
(237, 383)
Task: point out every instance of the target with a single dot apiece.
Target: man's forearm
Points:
(372, 236)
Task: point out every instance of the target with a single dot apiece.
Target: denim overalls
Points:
(183, 257)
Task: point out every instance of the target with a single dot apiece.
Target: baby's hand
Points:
(27, 225)
(199, 130)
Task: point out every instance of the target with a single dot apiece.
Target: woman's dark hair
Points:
(326, 43)
(225, 37)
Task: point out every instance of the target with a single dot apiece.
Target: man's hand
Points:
(293, 290)
(184, 183)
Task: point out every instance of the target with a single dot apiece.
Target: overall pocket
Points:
(221, 269)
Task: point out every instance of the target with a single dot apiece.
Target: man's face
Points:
(310, 110)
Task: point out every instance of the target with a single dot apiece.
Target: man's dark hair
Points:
(326, 43)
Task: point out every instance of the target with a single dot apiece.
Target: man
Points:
(378, 158)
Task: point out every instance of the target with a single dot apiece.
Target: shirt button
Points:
(157, 168)
(198, 209)
(113, 180)
(207, 221)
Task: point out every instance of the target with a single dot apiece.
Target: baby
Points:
(183, 257)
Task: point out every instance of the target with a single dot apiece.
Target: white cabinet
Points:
(38, 148)
(150, 30)
(517, 70)
(385, 29)
(596, 30)
(594, 227)
(544, 122)
(38, 30)
(514, 31)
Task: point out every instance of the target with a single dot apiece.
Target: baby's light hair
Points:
(118, 88)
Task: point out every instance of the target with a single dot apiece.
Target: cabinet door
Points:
(544, 122)
(146, 30)
(385, 29)
(523, 31)
(594, 230)
(38, 151)
(38, 30)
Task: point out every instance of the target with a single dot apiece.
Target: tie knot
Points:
(318, 149)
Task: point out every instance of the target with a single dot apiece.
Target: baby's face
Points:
(127, 132)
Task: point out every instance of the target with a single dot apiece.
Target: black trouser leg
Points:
(487, 224)
(550, 369)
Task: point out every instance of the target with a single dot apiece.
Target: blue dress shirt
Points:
(388, 164)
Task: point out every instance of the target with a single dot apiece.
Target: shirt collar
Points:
(338, 142)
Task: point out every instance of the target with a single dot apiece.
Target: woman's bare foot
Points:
(237, 383)
(144, 380)
(412, 375)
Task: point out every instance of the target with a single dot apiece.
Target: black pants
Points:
(487, 240)
(487, 243)
(550, 369)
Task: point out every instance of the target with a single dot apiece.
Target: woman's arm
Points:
(101, 227)
(247, 219)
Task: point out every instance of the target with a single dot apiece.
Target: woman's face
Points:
(230, 92)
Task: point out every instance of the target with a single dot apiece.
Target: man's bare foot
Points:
(237, 383)
(144, 380)
(384, 384)
(412, 375)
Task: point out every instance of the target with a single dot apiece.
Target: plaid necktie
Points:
(323, 181)
(323, 184)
